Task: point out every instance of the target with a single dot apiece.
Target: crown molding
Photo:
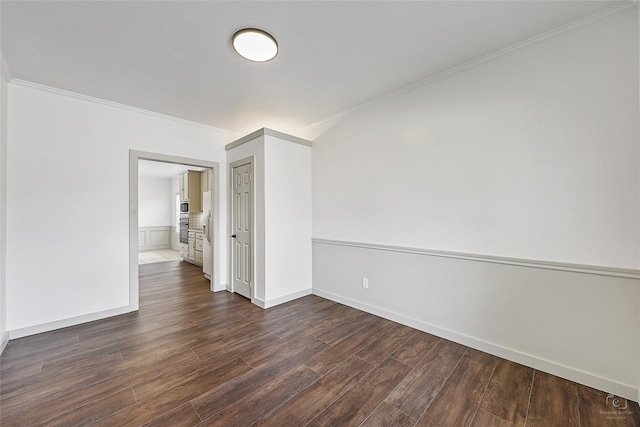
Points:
(4, 68)
(45, 88)
(614, 10)
(268, 132)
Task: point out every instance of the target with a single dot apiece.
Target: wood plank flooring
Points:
(193, 358)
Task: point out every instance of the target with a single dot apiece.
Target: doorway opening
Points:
(156, 198)
(174, 221)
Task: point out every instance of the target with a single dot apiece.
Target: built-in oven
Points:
(184, 207)
(184, 230)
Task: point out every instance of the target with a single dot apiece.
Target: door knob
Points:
(233, 236)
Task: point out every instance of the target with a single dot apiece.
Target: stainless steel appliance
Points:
(184, 207)
(184, 229)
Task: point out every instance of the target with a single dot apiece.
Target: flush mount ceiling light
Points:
(255, 45)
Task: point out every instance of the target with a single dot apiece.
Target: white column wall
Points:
(288, 219)
(282, 220)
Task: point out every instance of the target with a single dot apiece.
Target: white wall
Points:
(531, 155)
(3, 208)
(156, 201)
(68, 201)
(288, 219)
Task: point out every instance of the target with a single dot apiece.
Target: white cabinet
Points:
(184, 251)
(205, 180)
(198, 252)
(190, 189)
(194, 248)
(205, 185)
(184, 186)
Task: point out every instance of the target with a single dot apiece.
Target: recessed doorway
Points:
(158, 236)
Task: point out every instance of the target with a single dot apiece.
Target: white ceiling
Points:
(175, 57)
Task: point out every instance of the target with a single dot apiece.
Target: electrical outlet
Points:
(365, 283)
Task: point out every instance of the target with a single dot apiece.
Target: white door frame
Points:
(245, 161)
(214, 184)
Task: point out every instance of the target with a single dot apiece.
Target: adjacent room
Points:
(158, 212)
(174, 213)
(421, 213)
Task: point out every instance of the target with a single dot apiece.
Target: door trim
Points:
(134, 156)
(245, 161)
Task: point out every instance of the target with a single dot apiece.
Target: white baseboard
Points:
(221, 287)
(623, 390)
(59, 324)
(4, 341)
(281, 300)
(287, 298)
(257, 301)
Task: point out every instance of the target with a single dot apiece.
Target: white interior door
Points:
(242, 218)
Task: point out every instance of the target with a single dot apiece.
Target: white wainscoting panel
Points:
(159, 237)
(582, 326)
(154, 238)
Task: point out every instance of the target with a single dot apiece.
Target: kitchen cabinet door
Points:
(204, 182)
(195, 195)
(192, 249)
(184, 186)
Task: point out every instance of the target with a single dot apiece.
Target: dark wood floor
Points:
(190, 357)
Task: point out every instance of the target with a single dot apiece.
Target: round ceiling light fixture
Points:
(255, 45)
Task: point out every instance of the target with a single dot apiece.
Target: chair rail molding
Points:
(627, 273)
